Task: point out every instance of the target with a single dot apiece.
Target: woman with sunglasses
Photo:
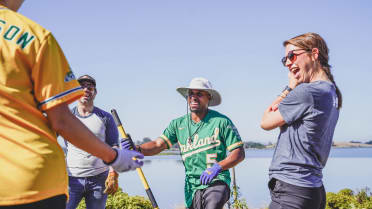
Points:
(306, 112)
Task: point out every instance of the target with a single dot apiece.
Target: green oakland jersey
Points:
(202, 144)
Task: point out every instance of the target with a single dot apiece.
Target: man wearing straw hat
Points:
(204, 136)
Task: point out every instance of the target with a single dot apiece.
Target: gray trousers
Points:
(213, 197)
(288, 196)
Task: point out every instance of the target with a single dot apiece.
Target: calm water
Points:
(346, 168)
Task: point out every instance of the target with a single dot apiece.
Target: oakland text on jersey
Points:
(13, 33)
(200, 145)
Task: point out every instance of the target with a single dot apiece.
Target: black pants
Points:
(56, 202)
(213, 197)
(288, 196)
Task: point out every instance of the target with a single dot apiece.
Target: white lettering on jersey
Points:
(199, 144)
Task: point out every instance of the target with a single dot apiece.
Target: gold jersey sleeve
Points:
(54, 82)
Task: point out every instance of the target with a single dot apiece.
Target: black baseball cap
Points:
(87, 78)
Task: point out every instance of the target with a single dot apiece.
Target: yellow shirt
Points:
(34, 77)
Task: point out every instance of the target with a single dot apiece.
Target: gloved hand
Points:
(111, 183)
(210, 173)
(127, 143)
(124, 160)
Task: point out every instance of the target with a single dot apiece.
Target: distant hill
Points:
(254, 145)
(350, 144)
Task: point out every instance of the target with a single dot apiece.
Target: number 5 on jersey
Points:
(211, 159)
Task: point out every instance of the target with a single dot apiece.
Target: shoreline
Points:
(350, 145)
(335, 145)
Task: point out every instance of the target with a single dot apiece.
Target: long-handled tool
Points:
(139, 170)
(235, 188)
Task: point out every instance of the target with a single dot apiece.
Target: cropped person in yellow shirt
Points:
(36, 85)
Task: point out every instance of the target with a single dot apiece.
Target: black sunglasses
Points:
(89, 86)
(292, 56)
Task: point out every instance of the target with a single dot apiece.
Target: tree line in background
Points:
(247, 144)
(359, 142)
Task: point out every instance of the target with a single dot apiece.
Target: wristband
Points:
(287, 88)
(116, 156)
(285, 92)
(138, 148)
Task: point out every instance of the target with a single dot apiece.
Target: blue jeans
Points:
(91, 188)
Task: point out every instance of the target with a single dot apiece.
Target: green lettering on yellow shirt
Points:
(13, 31)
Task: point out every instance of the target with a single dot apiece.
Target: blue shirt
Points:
(81, 163)
(310, 112)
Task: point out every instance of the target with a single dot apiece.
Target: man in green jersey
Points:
(204, 137)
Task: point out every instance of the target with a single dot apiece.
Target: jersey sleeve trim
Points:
(169, 144)
(234, 146)
(69, 93)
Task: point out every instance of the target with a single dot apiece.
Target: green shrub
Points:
(362, 196)
(235, 200)
(121, 200)
(339, 201)
(347, 192)
(345, 199)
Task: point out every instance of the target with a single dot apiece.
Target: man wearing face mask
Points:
(307, 113)
(204, 137)
(89, 177)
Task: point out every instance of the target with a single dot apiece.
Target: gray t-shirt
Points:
(310, 112)
(81, 163)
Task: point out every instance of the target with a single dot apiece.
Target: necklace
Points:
(190, 139)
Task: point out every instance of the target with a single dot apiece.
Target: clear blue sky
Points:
(140, 51)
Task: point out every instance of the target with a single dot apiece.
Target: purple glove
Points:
(127, 143)
(210, 173)
(124, 160)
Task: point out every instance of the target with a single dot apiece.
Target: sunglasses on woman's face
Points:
(292, 56)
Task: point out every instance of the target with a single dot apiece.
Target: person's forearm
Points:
(111, 169)
(80, 136)
(235, 157)
(273, 107)
(71, 129)
(152, 148)
(275, 104)
(266, 121)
